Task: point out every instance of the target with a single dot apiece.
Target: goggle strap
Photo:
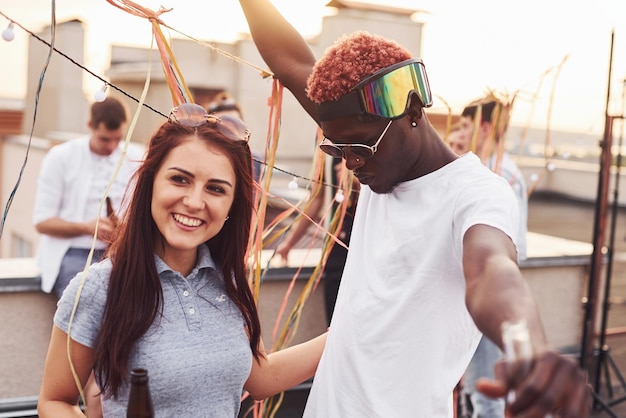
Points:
(351, 104)
(348, 105)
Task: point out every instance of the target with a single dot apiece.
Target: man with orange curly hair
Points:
(432, 259)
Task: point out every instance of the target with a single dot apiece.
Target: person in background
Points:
(172, 297)
(432, 256)
(223, 104)
(488, 140)
(457, 141)
(73, 179)
(490, 114)
(333, 268)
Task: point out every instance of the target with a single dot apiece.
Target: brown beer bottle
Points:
(111, 212)
(139, 400)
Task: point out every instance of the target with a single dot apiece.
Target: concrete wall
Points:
(18, 224)
(556, 272)
(62, 106)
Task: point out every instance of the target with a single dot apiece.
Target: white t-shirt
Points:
(401, 336)
(511, 173)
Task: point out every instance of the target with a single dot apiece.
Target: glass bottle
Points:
(139, 400)
(517, 346)
(110, 211)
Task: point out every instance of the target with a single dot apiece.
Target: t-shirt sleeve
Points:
(491, 202)
(85, 324)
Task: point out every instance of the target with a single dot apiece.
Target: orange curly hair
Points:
(352, 58)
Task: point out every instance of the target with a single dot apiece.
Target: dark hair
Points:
(224, 106)
(492, 111)
(111, 112)
(135, 297)
(223, 102)
(487, 108)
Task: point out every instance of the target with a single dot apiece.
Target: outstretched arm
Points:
(282, 48)
(497, 292)
(283, 369)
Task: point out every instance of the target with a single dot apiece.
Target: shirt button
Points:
(186, 293)
(192, 311)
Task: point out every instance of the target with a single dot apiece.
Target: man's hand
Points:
(106, 227)
(553, 385)
(282, 251)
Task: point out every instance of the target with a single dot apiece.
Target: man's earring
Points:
(414, 124)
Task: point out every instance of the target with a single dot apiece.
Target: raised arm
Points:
(282, 48)
(497, 292)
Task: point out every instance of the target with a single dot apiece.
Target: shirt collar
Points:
(204, 261)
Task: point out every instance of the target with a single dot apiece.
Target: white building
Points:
(62, 111)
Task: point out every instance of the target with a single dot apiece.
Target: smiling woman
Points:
(173, 292)
(193, 192)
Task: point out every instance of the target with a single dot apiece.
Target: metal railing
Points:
(19, 407)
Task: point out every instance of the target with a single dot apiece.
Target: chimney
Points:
(62, 106)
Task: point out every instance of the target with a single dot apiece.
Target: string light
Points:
(293, 184)
(101, 93)
(550, 167)
(339, 197)
(8, 34)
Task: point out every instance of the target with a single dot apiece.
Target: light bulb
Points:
(100, 94)
(550, 167)
(8, 34)
(534, 177)
(293, 184)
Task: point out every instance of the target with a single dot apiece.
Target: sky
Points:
(551, 55)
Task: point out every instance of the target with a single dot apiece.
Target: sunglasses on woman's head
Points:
(193, 115)
(385, 93)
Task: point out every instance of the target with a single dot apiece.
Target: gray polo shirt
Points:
(198, 355)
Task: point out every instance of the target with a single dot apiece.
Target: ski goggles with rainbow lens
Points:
(193, 115)
(385, 93)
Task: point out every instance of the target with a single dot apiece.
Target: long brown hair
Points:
(135, 297)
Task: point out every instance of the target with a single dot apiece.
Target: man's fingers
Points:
(491, 388)
(553, 384)
(580, 405)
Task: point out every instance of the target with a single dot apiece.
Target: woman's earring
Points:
(414, 124)
(227, 218)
